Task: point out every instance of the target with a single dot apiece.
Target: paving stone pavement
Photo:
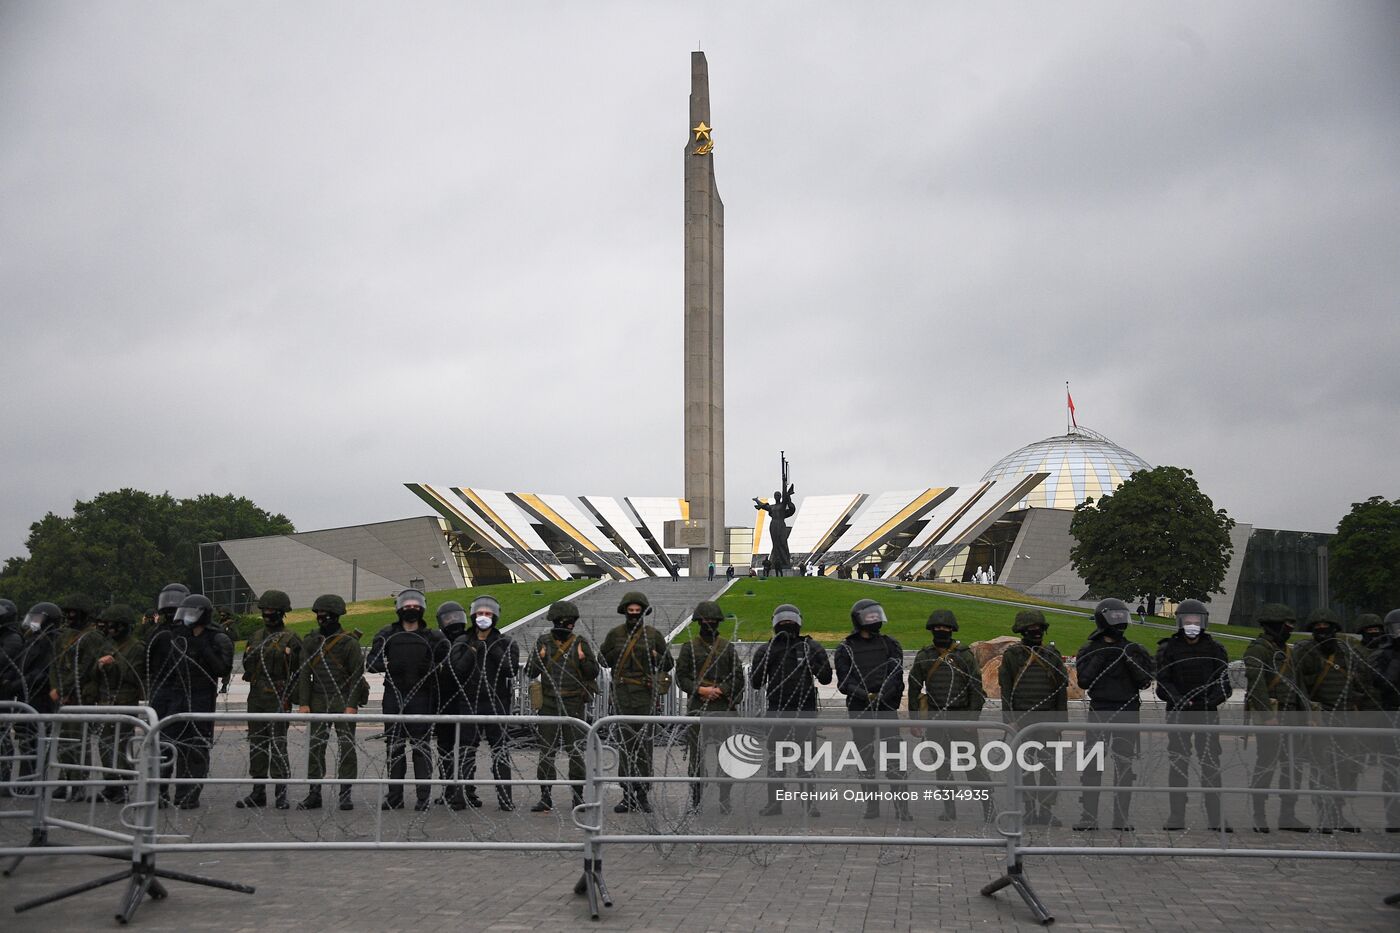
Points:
(826, 889)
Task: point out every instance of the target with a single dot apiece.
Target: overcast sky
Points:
(308, 252)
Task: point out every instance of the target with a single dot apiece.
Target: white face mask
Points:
(32, 624)
(1192, 631)
(483, 622)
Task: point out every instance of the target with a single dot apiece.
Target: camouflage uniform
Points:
(78, 680)
(331, 679)
(1270, 690)
(1035, 688)
(639, 659)
(944, 684)
(705, 663)
(568, 672)
(271, 661)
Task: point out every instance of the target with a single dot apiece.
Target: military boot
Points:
(543, 805)
(1260, 823)
(258, 798)
(313, 799)
(279, 796)
(346, 803)
(1288, 821)
(642, 803)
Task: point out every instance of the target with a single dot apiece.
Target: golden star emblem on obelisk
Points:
(704, 145)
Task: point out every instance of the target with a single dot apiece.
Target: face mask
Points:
(32, 624)
(633, 618)
(942, 639)
(74, 619)
(1119, 631)
(485, 621)
(1285, 632)
(1324, 634)
(1370, 638)
(789, 628)
(410, 614)
(272, 619)
(562, 632)
(328, 624)
(1033, 637)
(1191, 631)
(708, 630)
(873, 628)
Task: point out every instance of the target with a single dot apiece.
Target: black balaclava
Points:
(1033, 637)
(328, 623)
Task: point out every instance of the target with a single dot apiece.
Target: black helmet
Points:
(486, 604)
(329, 603)
(171, 596)
(275, 601)
(867, 612)
(709, 611)
(1276, 614)
(1366, 620)
(941, 618)
(1111, 615)
(79, 602)
(1028, 618)
(1192, 612)
(634, 596)
(119, 618)
(41, 613)
(451, 613)
(8, 611)
(1323, 616)
(562, 611)
(787, 612)
(194, 610)
(1392, 624)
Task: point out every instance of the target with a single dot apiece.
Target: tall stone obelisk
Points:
(704, 325)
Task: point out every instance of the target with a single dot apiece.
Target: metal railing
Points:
(147, 753)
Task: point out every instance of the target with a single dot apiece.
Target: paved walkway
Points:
(826, 889)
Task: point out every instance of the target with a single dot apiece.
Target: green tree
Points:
(125, 545)
(1157, 535)
(1364, 557)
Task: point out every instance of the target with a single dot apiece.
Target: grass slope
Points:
(826, 613)
(517, 601)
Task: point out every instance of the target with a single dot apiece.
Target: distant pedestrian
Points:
(711, 571)
(729, 572)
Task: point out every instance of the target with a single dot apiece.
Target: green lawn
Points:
(517, 601)
(826, 612)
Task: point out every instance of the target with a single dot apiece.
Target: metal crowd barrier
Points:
(150, 745)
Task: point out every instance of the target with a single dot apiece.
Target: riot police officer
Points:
(1112, 670)
(788, 668)
(1193, 678)
(490, 686)
(186, 662)
(409, 655)
(1333, 677)
(870, 674)
(452, 701)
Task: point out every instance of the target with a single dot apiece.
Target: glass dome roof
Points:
(1081, 464)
